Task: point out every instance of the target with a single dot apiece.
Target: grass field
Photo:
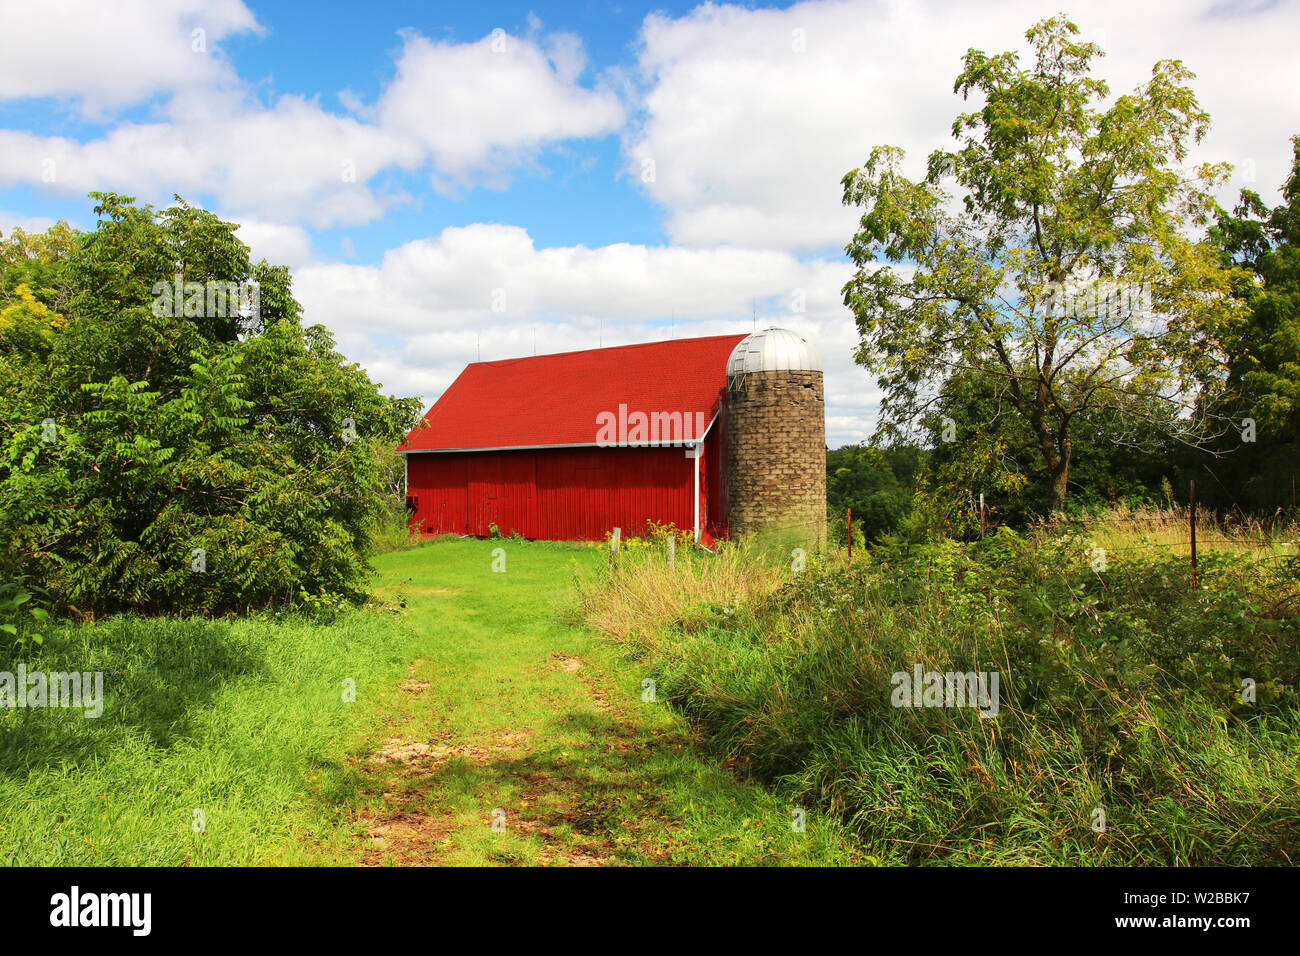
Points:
(476, 701)
(1167, 531)
(1148, 715)
(499, 716)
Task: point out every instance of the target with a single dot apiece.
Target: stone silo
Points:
(776, 440)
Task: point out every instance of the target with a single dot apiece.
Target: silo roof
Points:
(773, 350)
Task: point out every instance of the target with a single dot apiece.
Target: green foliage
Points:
(1265, 368)
(876, 483)
(161, 461)
(1123, 688)
(973, 443)
(980, 444)
(19, 614)
(1060, 196)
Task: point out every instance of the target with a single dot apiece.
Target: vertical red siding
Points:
(438, 484)
(502, 491)
(562, 494)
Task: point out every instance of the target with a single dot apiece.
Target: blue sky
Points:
(450, 179)
(573, 198)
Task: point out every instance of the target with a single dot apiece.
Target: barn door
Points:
(483, 493)
(502, 492)
(436, 488)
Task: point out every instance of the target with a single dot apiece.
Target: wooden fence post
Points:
(672, 549)
(1191, 509)
(981, 516)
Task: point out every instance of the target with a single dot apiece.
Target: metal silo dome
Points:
(773, 350)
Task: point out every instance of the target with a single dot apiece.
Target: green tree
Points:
(33, 287)
(1265, 365)
(1068, 274)
(877, 483)
(982, 445)
(184, 459)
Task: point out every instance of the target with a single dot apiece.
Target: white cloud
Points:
(468, 113)
(478, 108)
(416, 319)
(9, 221)
(279, 245)
(753, 116)
(106, 55)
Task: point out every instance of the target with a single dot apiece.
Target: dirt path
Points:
(519, 739)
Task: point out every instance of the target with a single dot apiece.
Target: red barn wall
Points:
(563, 494)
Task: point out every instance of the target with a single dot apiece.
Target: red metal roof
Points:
(555, 399)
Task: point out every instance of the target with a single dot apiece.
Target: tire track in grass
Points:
(518, 739)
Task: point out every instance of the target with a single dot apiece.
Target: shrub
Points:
(161, 461)
(1168, 703)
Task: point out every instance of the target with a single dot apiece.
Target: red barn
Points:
(572, 445)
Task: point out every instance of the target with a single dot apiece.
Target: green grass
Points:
(240, 720)
(527, 713)
(479, 695)
(1167, 531)
(1121, 689)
